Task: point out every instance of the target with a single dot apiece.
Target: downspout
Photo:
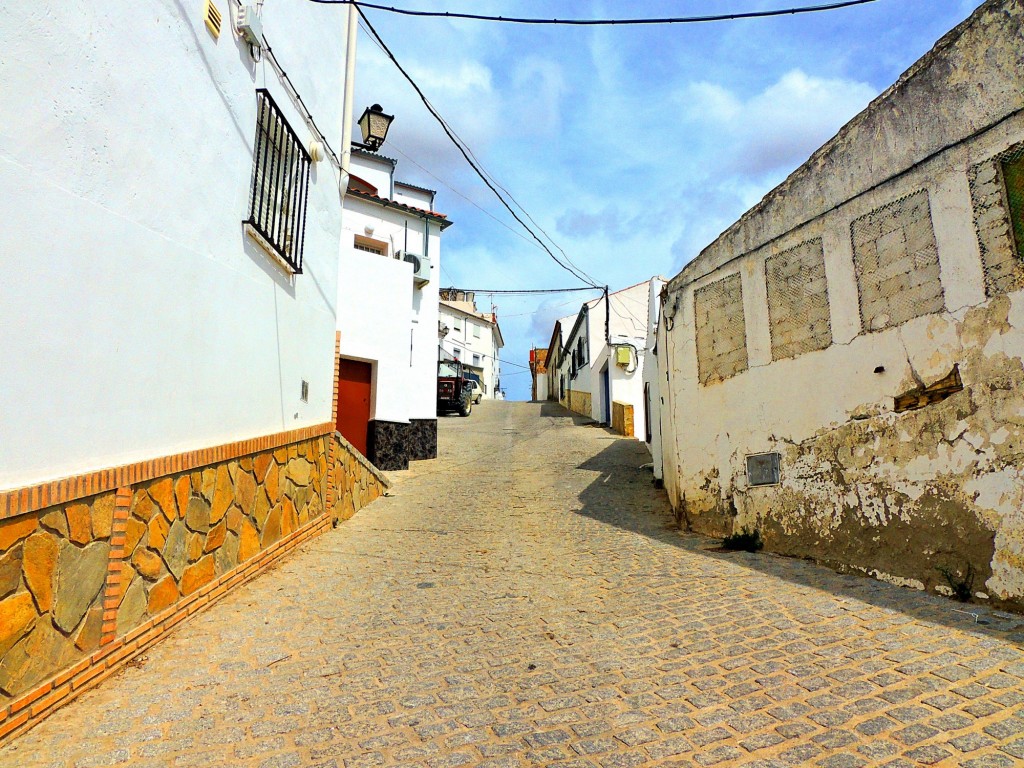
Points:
(607, 318)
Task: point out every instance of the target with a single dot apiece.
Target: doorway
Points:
(606, 397)
(354, 390)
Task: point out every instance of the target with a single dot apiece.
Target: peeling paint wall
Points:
(911, 224)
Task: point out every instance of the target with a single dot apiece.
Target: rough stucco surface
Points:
(931, 498)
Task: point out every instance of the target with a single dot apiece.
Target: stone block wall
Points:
(622, 418)
(88, 583)
(897, 263)
(579, 402)
(721, 330)
(798, 313)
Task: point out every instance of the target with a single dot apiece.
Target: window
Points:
(1013, 176)
(370, 246)
(476, 360)
(581, 352)
(280, 185)
(457, 323)
(457, 353)
(476, 331)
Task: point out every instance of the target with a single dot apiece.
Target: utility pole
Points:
(351, 27)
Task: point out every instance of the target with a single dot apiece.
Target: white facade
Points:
(475, 339)
(138, 319)
(652, 381)
(589, 363)
(385, 316)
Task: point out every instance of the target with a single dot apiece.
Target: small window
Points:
(476, 331)
(370, 246)
(476, 360)
(280, 185)
(457, 324)
(457, 353)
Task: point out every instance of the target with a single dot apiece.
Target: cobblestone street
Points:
(526, 600)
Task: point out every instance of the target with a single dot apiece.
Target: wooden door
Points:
(354, 389)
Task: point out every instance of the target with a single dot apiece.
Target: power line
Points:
(462, 150)
(602, 22)
(510, 291)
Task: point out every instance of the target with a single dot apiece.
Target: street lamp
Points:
(374, 124)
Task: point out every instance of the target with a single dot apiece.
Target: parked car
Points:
(454, 390)
(476, 389)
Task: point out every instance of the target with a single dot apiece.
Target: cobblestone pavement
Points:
(526, 601)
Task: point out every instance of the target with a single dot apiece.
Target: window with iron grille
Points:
(280, 184)
(997, 195)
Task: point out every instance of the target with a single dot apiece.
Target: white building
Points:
(600, 366)
(388, 314)
(652, 380)
(473, 337)
(168, 322)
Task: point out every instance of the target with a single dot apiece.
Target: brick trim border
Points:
(29, 709)
(331, 497)
(20, 501)
(113, 589)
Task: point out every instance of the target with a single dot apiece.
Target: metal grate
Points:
(798, 312)
(997, 195)
(280, 184)
(897, 263)
(721, 329)
(764, 469)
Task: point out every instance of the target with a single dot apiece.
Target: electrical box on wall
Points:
(249, 26)
(622, 356)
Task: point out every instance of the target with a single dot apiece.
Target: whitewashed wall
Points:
(653, 377)
(383, 317)
(137, 319)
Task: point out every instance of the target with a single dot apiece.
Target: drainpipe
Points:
(351, 27)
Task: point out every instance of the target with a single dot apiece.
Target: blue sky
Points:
(632, 147)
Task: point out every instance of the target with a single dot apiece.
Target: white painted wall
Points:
(383, 317)
(137, 319)
(653, 378)
(376, 170)
(461, 336)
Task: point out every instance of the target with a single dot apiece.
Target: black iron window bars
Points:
(280, 184)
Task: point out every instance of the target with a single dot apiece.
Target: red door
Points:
(354, 401)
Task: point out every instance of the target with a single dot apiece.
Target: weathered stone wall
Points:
(81, 577)
(578, 402)
(900, 438)
(53, 567)
(622, 419)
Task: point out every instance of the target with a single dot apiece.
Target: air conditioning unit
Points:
(420, 266)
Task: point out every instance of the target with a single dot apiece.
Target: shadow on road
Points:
(623, 495)
(558, 411)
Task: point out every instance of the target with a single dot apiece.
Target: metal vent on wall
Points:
(213, 19)
(763, 469)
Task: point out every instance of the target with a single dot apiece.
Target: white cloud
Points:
(779, 127)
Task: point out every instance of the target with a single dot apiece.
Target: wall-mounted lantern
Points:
(374, 124)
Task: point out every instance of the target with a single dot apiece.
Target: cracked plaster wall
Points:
(899, 496)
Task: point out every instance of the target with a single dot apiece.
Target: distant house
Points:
(539, 373)
(388, 315)
(474, 337)
(601, 356)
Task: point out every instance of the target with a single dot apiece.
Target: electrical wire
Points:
(524, 291)
(448, 132)
(601, 22)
